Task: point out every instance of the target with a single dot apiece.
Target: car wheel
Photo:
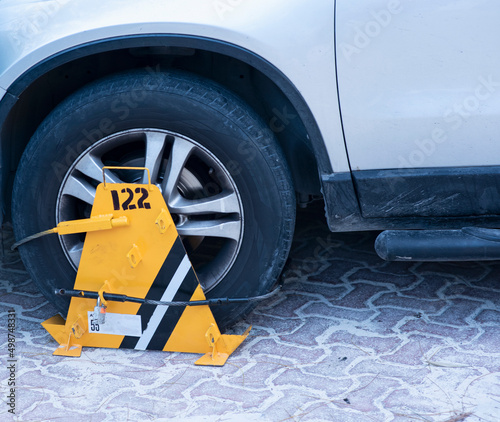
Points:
(223, 177)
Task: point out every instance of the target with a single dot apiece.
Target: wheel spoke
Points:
(212, 228)
(181, 150)
(75, 253)
(155, 144)
(91, 167)
(224, 203)
(80, 189)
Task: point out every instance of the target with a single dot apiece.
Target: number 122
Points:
(127, 204)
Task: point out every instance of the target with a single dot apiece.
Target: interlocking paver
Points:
(385, 278)
(488, 316)
(398, 300)
(423, 327)
(367, 341)
(336, 312)
(350, 338)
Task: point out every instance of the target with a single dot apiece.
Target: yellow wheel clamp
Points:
(132, 251)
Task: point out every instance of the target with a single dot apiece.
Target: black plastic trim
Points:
(342, 208)
(8, 101)
(403, 199)
(430, 192)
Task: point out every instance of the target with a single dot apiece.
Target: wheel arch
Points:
(36, 92)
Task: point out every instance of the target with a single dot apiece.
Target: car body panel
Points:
(419, 82)
(305, 57)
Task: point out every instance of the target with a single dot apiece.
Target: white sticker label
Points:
(119, 324)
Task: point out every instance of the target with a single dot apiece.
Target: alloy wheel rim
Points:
(199, 191)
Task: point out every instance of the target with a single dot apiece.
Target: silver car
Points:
(387, 110)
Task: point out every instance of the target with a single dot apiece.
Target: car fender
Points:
(34, 32)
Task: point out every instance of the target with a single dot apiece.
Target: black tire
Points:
(238, 155)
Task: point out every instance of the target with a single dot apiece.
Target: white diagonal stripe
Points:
(160, 311)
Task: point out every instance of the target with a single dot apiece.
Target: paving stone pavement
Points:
(350, 338)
